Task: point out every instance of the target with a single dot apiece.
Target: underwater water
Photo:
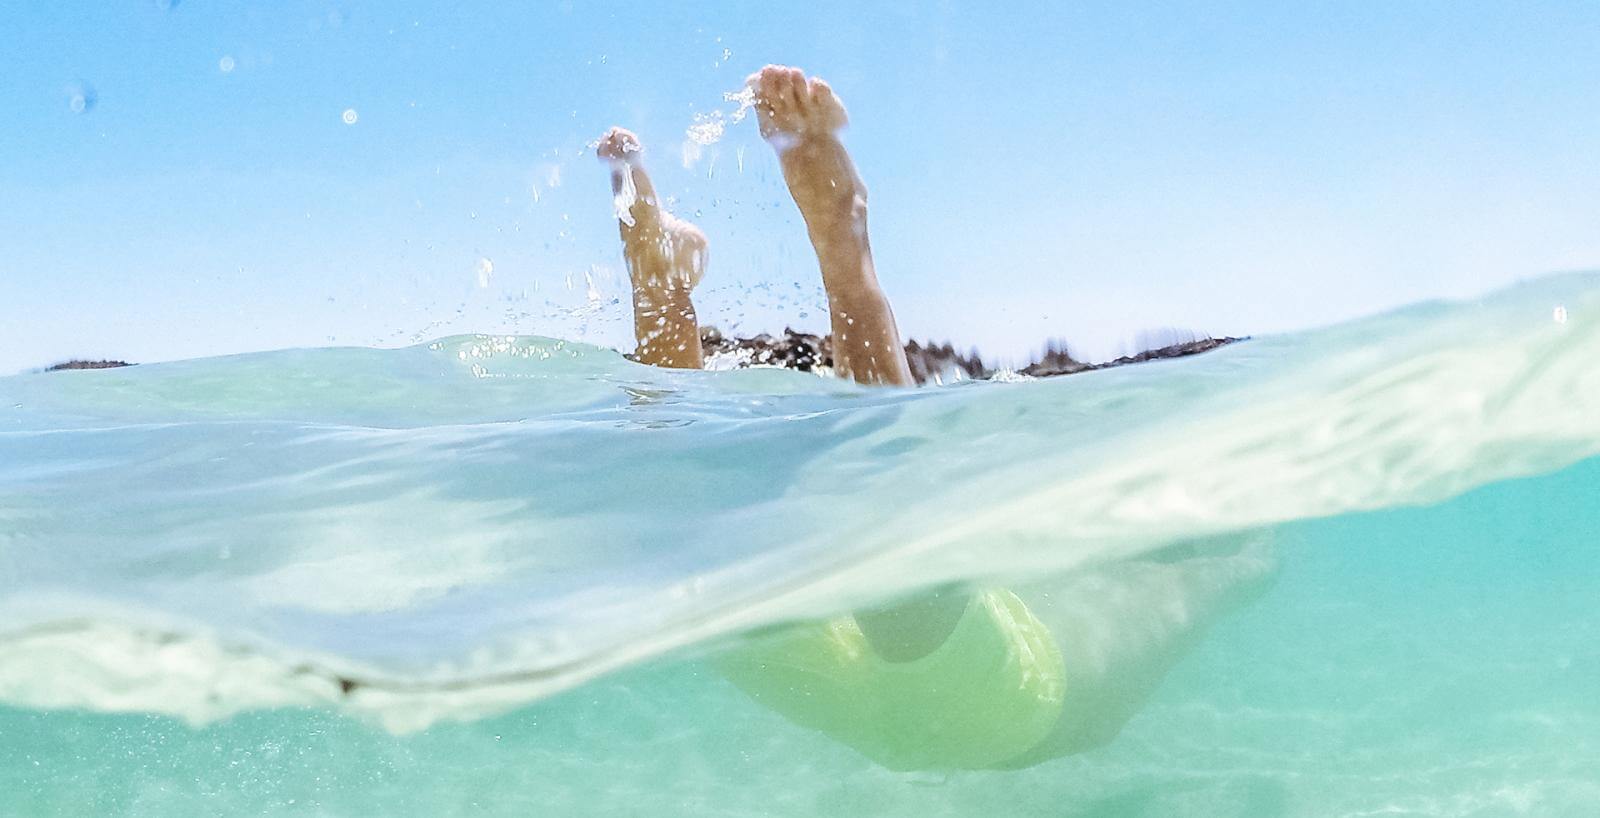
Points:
(495, 576)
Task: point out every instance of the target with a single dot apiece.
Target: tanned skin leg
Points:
(801, 119)
(665, 256)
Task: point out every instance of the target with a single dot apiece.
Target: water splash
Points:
(627, 195)
(692, 151)
(709, 128)
(745, 97)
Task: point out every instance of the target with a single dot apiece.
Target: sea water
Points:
(491, 575)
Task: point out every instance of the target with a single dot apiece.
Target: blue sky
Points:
(1073, 170)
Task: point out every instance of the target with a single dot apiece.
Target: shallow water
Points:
(520, 558)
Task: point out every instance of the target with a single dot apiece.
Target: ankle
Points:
(666, 328)
(653, 299)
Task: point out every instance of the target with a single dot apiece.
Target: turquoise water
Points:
(519, 550)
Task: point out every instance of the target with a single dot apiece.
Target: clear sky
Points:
(178, 178)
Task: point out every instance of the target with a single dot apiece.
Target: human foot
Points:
(618, 144)
(801, 119)
(666, 257)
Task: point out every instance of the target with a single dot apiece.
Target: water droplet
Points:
(485, 269)
(350, 116)
(81, 97)
(225, 65)
(707, 128)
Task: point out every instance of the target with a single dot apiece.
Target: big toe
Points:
(778, 97)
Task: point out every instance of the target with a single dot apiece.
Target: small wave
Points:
(505, 517)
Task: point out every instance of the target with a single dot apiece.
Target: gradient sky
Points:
(1073, 170)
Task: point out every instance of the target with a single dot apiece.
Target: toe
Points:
(766, 99)
(768, 81)
(794, 82)
(828, 106)
(781, 89)
(768, 86)
(780, 95)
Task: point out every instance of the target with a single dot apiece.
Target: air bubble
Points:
(81, 97)
(226, 65)
(1560, 315)
(350, 116)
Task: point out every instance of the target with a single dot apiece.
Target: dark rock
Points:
(942, 362)
(794, 350)
(1194, 347)
(76, 364)
(1057, 360)
(929, 362)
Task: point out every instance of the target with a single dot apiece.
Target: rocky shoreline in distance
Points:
(804, 351)
(77, 364)
(929, 362)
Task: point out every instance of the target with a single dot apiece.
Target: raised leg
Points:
(666, 257)
(801, 119)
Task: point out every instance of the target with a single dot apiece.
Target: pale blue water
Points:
(521, 547)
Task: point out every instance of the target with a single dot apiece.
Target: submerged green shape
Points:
(990, 693)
